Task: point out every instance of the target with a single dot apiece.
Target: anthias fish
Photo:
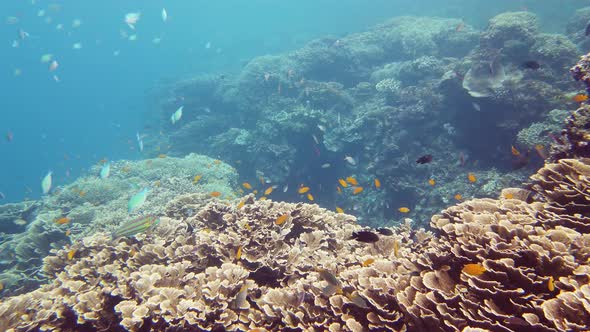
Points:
(136, 226)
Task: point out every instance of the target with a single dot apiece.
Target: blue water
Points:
(102, 100)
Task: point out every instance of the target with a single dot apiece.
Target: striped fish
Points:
(136, 226)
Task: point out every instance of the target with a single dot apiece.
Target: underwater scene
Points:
(263, 165)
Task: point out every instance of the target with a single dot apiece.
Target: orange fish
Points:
(431, 182)
(352, 181)
(339, 210)
(471, 177)
(240, 205)
(82, 193)
(404, 209)
(281, 220)
(541, 151)
(458, 197)
(71, 254)
(474, 269)
(343, 183)
(551, 284)
(62, 221)
(368, 262)
(508, 196)
(215, 194)
(514, 151)
(268, 191)
(239, 253)
(103, 161)
(580, 97)
(377, 183)
(310, 197)
(303, 190)
(357, 190)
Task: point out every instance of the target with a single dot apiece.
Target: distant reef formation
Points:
(409, 87)
(519, 262)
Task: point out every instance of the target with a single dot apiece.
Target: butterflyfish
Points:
(474, 269)
(136, 226)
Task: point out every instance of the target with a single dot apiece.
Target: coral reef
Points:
(91, 203)
(238, 268)
(405, 88)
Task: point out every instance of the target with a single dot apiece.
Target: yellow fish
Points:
(377, 183)
(508, 196)
(162, 156)
(71, 254)
(239, 253)
(281, 220)
(240, 205)
(357, 190)
(247, 185)
(62, 221)
(303, 190)
(458, 197)
(197, 178)
(339, 210)
(431, 182)
(343, 183)
(474, 269)
(68, 232)
(217, 162)
(262, 198)
(310, 197)
(268, 191)
(368, 262)
(404, 209)
(247, 226)
(396, 248)
(471, 177)
(551, 284)
(352, 181)
(514, 151)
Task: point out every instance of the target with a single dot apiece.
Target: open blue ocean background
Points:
(103, 99)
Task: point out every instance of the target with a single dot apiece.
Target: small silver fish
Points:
(350, 160)
(326, 165)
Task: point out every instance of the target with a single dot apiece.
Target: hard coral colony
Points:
(186, 252)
